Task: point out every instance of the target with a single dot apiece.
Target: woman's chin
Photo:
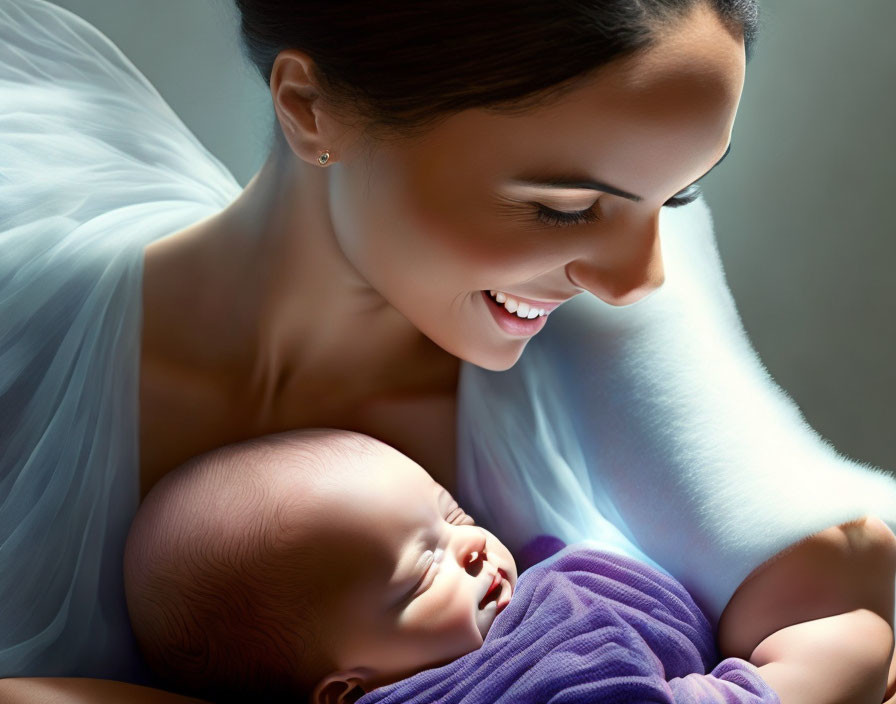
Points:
(497, 360)
(493, 352)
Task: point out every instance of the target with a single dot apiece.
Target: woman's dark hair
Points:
(402, 65)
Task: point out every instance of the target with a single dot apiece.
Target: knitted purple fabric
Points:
(590, 626)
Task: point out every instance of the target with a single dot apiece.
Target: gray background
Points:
(802, 205)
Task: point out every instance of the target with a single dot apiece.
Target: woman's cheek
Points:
(460, 229)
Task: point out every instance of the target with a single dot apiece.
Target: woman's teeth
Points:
(520, 308)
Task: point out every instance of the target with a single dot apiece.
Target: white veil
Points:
(93, 166)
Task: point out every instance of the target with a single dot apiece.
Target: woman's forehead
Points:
(643, 124)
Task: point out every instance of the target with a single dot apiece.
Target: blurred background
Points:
(801, 206)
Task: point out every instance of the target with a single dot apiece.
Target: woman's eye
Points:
(558, 218)
(686, 197)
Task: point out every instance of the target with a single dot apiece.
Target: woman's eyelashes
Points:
(686, 197)
(561, 218)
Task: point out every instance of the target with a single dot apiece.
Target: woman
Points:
(416, 169)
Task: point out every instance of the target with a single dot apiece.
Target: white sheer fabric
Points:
(654, 428)
(651, 429)
(93, 165)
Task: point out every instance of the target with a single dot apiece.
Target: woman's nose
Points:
(624, 271)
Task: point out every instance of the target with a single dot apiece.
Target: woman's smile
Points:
(512, 323)
(513, 303)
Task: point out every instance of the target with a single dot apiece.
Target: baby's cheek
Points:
(450, 624)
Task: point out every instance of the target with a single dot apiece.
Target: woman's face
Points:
(436, 223)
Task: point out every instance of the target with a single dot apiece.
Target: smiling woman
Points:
(464, 224)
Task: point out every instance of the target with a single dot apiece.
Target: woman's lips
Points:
(510, 322)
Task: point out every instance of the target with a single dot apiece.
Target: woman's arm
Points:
(820, 612)
(71, 690)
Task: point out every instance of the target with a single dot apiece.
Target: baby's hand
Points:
(841, 659)
(816, 618)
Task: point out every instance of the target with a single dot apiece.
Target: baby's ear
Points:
(341, 687)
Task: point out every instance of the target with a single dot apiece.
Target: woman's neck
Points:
(260, 298)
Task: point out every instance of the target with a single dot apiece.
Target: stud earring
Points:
(323, 158)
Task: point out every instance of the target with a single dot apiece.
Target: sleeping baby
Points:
(324, 565)
(320, 561)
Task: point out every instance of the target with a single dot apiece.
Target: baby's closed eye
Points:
(457, 516)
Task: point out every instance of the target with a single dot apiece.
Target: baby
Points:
(324, 564)
(319, 562)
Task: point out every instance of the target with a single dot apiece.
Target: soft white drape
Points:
(93, 165)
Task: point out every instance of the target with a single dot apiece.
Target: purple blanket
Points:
(590, 626)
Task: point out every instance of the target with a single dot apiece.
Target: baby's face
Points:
(426, 582)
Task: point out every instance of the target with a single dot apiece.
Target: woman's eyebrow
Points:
(561, 181)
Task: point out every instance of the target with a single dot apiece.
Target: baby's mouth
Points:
(498, 593)
(493, 602)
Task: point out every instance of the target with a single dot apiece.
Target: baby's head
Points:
(317, 562)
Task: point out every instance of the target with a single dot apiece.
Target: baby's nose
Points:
(475, 561)
(471, 552)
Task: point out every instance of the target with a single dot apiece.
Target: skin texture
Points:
(322, 287)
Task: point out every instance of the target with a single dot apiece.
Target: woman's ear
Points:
(308, 123)
(294, 93)
(341, 687)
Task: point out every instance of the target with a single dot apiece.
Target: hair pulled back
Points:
(401, 65)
